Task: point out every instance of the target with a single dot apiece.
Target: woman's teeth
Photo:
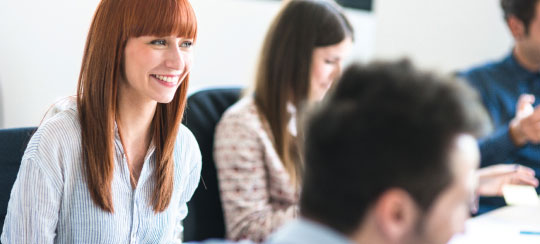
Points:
(168, 79)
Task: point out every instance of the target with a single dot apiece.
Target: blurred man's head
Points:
(390, 155)
(522, 10)
(523, 19)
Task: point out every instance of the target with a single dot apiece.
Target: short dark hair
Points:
(524, 10)
(385, 125)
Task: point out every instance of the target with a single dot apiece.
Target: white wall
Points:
(445, 35)
(42, 44)
(42, 41)
(229, 44)
(41, 48)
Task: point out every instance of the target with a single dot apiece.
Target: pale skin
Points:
(154, 69)
(326, 67)
(492, 179)
(133, 120)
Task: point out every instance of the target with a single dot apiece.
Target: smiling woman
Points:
(116, 166)
(155, 65)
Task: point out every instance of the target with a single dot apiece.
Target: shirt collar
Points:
(151, 147)
(512, 61)
(306, 231)
(291, 109)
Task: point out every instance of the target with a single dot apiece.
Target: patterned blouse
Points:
(257, 194)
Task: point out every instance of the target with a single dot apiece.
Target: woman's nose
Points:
(175, 59)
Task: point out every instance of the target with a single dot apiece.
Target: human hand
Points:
(525, 126)
(491, 179)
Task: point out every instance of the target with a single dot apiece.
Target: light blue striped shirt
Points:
(50, 201)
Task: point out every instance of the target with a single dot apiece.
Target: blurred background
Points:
(41, 43)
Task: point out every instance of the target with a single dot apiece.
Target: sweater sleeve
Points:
(496, 147)
(244, 182)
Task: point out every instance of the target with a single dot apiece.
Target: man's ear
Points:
(516, 27)
(396, 215)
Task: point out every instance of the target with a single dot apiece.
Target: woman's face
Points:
(326, 66)
(155, 67)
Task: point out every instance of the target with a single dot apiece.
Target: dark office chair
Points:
(204, 109)
(12, 145)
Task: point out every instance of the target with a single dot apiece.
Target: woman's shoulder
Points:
(187, 148)
(62, 125)
(185, 136)
(57, 139)
(243, 112)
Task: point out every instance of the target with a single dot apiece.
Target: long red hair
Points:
(115, 21)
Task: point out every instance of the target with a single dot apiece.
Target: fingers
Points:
(530, 126)
(525, 127)
(523, 176)
(524, 105)
(535, 113)
(493, 178)
(499, 170)
(524, 179)
(504, 169)
(524, 169)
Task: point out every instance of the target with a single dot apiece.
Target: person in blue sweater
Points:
(509, 89)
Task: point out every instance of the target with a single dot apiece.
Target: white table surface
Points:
(502, 226)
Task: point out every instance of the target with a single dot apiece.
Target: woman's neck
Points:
(134, 118)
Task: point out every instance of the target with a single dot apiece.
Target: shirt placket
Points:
(135, 212)
(134, 206)
(135, 221)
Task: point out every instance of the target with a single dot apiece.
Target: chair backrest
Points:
(204, 109)
(12, 145)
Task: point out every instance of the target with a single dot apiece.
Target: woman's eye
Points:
(160, 42)
(186, 44)
(330, 61)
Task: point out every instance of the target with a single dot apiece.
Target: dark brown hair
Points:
(523, 10)
(284, 70)
(384, 126)
(115, 21)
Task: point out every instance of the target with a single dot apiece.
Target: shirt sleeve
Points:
(193, 155)
(32, 213)
(243, 179)
(496, 147)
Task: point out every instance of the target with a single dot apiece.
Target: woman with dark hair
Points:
(256, 151)
(116, 166)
